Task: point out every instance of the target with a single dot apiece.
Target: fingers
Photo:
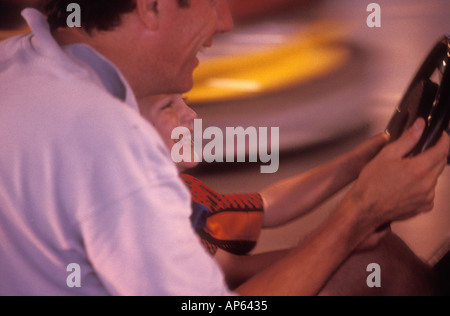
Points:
(433, 161)
(426, 169)
(378, 141)
(406, 143)
(436, 157)
(368, 150)
(439, 168)
(375, 144)
(375, 239)
(432, 164)
(395, 187)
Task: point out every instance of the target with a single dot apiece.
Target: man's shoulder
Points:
(9, 45)
(73, 111)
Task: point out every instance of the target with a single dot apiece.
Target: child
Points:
(229, 225)
(230, 222)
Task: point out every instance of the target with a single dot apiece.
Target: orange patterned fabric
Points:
(232, 222)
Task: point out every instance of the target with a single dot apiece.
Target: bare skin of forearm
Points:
(239, 269)
(305, 270)
(287, 200)
(390, 188)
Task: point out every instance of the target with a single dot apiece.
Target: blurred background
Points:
(341, 86)
(10, 18)
(316, 70)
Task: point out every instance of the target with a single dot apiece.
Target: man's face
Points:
(184, 33)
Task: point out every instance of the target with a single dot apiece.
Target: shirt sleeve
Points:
(232, 222)
(138, 236)
(152, 254)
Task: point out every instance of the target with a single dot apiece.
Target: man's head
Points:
(153, 42)
(100, 15)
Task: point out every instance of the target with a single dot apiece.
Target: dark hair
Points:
(102, 15)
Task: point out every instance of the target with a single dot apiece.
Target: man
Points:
(86, 181)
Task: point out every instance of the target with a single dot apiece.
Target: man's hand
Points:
(394, 187)
(391, 187)
(358, 158)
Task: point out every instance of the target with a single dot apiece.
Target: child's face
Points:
(167, 112)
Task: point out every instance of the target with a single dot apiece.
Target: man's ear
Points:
(148, 13)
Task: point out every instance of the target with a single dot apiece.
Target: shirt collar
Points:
(78, 59)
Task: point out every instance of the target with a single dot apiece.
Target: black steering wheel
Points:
(428, 97)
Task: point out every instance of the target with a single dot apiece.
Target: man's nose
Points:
(224, 16)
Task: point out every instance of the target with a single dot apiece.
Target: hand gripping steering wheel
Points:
(428, 97)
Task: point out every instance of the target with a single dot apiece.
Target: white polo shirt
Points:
(90, 201)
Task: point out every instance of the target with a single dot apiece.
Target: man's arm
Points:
(390, 188)
(295, 197)
(306, 269)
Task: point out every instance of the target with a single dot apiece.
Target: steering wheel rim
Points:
(426, 98)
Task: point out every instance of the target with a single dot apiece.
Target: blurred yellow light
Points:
(302, 58)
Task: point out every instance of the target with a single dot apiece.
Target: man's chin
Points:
(185, 86)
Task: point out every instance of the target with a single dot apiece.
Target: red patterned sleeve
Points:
(232, 222)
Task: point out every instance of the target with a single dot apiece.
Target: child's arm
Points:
(295, 197)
